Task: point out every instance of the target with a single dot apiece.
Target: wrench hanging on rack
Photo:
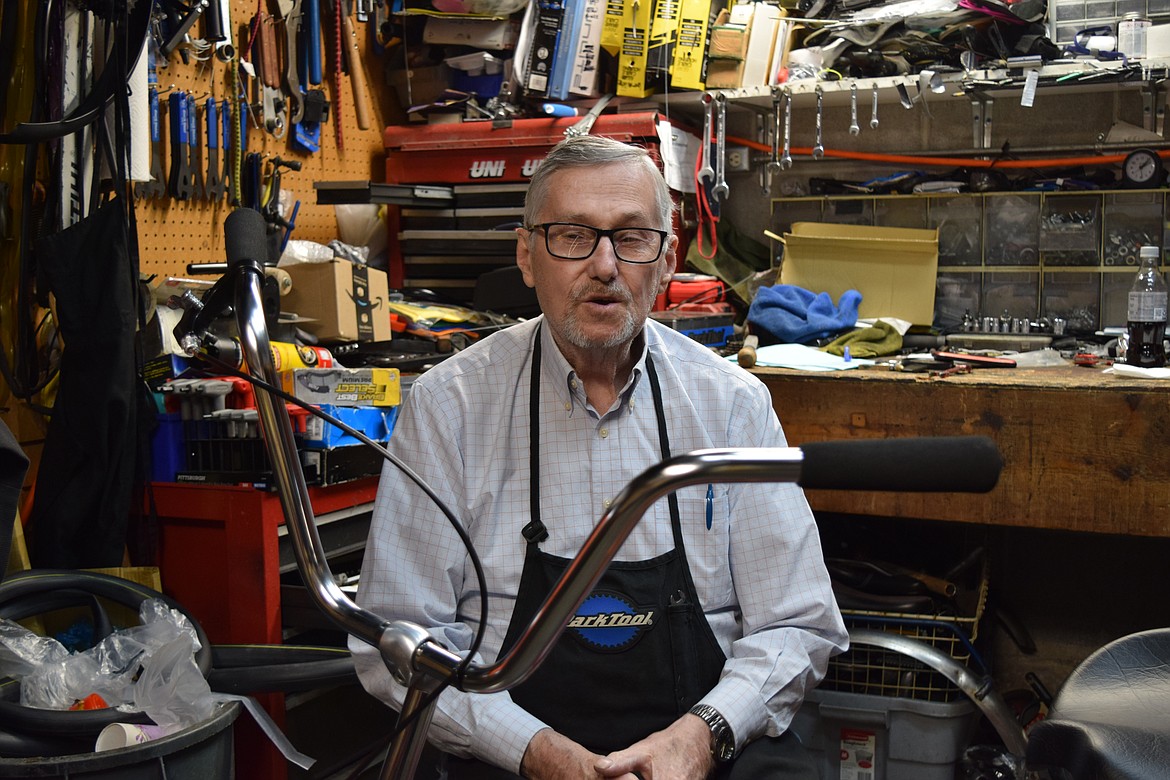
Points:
(818, 150)
(194, 135)
(854, 128)
(214, 183)
(230, 149)
(706, 173)
(774, 165)
(873, 117)
(268, 102)
(290, 14)
(786, 158)
(765, 135)
(179, 182)
(156, 187)
(720, 191)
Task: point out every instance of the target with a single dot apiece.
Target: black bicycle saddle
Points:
(1111, 719)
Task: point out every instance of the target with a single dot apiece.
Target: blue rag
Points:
(794, 315)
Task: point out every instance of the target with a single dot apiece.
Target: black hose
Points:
(247, 669)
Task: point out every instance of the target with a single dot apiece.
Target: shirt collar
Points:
(562, 377)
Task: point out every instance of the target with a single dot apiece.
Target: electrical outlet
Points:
(739, 159)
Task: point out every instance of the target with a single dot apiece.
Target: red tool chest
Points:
(446, 249)
(480, 153)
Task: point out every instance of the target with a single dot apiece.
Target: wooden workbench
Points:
(1083, 450)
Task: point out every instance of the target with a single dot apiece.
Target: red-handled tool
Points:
(974, 361)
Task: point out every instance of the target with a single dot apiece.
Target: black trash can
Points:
(202, 752)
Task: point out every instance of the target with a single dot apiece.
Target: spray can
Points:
(286, 357)
(1132, 31)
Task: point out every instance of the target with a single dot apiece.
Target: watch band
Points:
(722, 738)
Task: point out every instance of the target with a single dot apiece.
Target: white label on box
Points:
(858, 749)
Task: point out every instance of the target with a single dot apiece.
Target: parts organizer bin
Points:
(876, 671)
(854, 736)
(224, 447)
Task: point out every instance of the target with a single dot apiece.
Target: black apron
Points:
(639, 651)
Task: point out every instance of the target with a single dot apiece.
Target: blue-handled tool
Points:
(557, 109)
(214, 185)
(193, 135)
(312, 38)
(155, 187)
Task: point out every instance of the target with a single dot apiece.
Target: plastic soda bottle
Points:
(1146, 319)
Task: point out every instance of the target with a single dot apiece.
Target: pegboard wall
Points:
(173, 233)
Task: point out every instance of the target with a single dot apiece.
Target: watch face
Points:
(1142, 167)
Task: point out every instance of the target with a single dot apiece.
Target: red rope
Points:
(706, 220)
(337, 75)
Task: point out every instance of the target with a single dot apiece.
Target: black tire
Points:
(246, 669)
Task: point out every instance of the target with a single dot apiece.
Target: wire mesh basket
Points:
(880, 672)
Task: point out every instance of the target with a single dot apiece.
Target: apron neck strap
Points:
(536, 532)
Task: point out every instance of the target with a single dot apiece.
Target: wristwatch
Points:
(722, 740)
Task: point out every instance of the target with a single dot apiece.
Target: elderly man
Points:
(696, 648)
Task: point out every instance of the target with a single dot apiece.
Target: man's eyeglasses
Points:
(571, 241)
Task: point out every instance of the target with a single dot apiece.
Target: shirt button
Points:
(606, 503)
(604, 432)
(573, 383)
(568, 406)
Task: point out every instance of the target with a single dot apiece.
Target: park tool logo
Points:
(608, 622)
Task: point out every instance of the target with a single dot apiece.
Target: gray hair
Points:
(593, 150)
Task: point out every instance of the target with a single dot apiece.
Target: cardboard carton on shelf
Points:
(344, 301)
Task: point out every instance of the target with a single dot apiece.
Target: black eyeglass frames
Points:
(573, 241)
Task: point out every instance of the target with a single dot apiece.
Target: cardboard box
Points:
(727, 52)
(729, 36)
(375, 423)
(490, 34)
(344, 386)
(894, 269)
(346, 301)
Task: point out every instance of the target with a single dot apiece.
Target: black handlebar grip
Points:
(939, 464)
(245, 237)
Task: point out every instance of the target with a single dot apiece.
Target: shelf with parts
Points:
(1006, 79)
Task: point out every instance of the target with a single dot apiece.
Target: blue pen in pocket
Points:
(710, 505)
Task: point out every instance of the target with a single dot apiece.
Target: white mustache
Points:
(616, 291)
